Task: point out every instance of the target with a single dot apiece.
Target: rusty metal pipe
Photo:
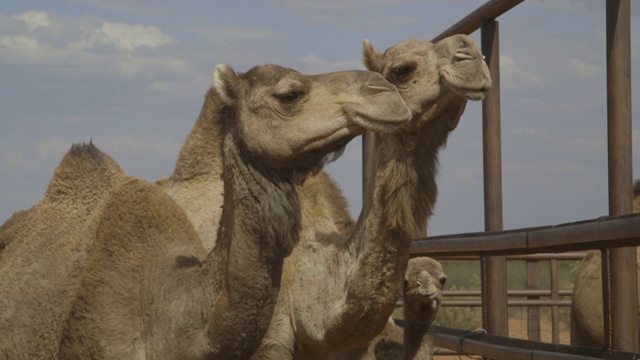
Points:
(618, 301)
(472, 22)
(493, 269)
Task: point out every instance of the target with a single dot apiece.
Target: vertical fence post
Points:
(533, 312)
(493, 268)
(620, 304)
(555, 311)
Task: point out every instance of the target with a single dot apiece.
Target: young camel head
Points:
(433, 78)
(423, 284)
(288, 121)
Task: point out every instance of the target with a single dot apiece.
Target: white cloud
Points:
(22, 48)
(514, 77)
(125, 37)
(34, 19)
(583, 69)
(315, 65)
(108, 46)
(128, 6)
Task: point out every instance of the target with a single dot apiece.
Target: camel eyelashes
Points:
(289, 97)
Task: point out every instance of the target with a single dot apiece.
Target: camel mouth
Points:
(461, 56)
(474, 95)
(390, 119)
(427, 298)
(377, 125)
(428, 293)
(380, 88)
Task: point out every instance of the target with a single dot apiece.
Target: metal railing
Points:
(532, 298)
(615, 236)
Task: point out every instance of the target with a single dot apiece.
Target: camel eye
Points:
(443, 280)
(288, 97)
(402, 71)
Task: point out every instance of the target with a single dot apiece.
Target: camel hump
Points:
(84, 169)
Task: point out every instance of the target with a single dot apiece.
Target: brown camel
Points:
(47, 245)
(150, 290)
(341, 282)
(422, 294)
(587, 323)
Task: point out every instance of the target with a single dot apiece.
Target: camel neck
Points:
(418, 339)
(396, 207)
(407, 165)
(259, 226)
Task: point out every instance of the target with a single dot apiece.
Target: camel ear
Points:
(225, 83)
(371, 57)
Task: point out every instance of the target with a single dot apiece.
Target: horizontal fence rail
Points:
(472, 22)
(504, 348)
(605, 232)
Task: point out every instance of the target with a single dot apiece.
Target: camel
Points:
(342, 280)
(587, 322)
(422, 295)
(149, 288)
(341, 288)
(46, 246)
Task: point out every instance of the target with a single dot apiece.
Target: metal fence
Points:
(531, 298)
(616, 236)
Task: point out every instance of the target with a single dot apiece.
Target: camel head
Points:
(433, 78)
(290, 120)
(423, 284)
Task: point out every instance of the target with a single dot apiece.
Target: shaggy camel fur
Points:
(587, 323)
(341, 282)
(422, 294)
(149, 289)
(47, 245)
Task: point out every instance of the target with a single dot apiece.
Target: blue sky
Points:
(131, 76)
